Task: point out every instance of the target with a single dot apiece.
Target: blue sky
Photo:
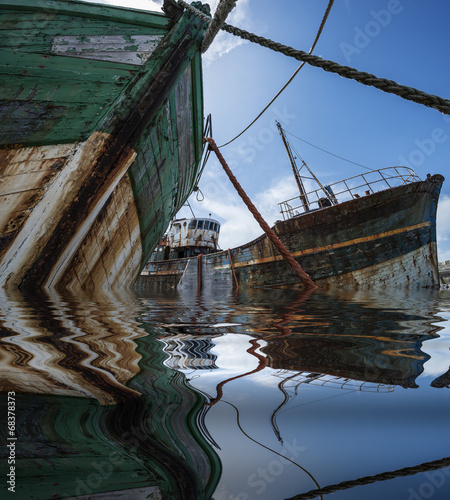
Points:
(402, 40)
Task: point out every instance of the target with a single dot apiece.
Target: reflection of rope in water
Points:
(262, 363)
(270, 449)
(206, 433)
(384, 476)
(273, 418)
(202, 426)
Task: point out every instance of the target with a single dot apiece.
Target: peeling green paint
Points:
(54, 91)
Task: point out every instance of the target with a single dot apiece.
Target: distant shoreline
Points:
(444, 271)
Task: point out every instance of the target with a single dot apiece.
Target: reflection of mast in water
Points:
(318, 379)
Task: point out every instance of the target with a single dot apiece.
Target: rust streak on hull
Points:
(333, 246)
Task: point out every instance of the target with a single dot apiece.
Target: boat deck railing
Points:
(347, 189)
(325, 380)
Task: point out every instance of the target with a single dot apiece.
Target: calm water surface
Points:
(261, 394)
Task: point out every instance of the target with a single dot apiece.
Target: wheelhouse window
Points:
(200, 224)
(192, 224)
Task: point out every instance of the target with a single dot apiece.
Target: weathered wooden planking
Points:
(60, 92)
(26, 181)
(44, 66)
(77, 237)
(19, 159)
(111, 250)
(24, 176)
(39, 224)
(134, 49)
(184, 131)
(56, 98)
(47, 12)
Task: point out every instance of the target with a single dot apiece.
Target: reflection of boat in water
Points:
(97, 411)
(375, 229)
(366, 350)
(371, 360)
(65, 352)
(100, 138)
(330, 366)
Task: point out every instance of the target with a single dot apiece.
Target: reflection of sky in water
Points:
(300, 390)
(335, 429)
(438, 350)
(336, 434)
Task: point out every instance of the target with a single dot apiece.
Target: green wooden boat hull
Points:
(100, 139)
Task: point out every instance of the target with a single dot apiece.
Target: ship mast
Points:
(298, 179)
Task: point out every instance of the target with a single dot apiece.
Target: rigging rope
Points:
(222, 11)
(293, 264)
(389, 86)
(319, 32)
(325, 151)
(384, 476)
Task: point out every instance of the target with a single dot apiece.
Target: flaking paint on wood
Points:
(106, 111)
(54, 199)
(110, 251)
(63, 262)
(134, 49)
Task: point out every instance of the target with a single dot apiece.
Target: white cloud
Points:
(238, 226)
(225, 42)
(267, 201)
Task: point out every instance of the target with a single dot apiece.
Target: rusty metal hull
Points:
(384, 239)
(102, 142)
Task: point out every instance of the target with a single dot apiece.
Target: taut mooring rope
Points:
(277, 243)
(319, 32)
(389, 86)
(222, 11)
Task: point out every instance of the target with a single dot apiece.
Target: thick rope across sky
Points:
(389, 86)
